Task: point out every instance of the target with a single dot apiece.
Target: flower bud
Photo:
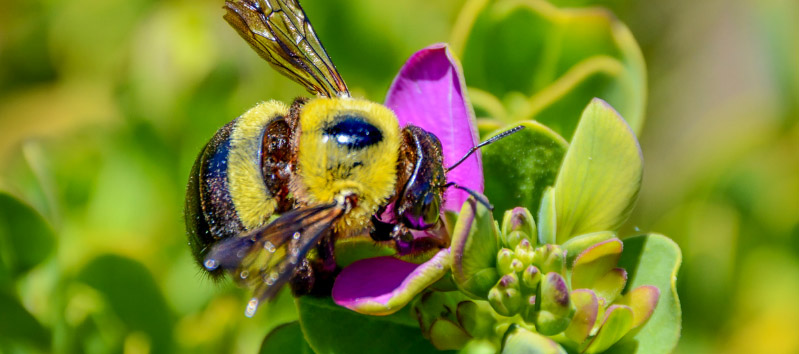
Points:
(505, 297)
(513, 238)
(530, 278)
(518, 224)
(555, 311)
(516, 265)
(525, 252)
(504, 259)
(550, 258)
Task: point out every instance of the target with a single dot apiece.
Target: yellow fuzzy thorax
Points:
(327, 169)
(254, 203)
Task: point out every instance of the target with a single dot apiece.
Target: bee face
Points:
(347, 145)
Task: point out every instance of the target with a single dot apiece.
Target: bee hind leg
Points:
(316, 276)
(302, 282)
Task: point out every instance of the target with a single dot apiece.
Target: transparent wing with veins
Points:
(280, 32)
(265, 259)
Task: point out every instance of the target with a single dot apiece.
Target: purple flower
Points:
(428, 92)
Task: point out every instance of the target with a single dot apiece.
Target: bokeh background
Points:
(104, 105)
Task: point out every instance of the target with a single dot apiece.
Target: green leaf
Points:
(476, 318)
(618, 321)
(287, 339)
(520, 340)
(653, 259)
(642, 300)
(576, 245)
(131, 293)
(595, 262)
(434, 305)
(541, 62)
(585, 315)
(330, 328)
(26, 239)
(600, 177)
(18, 324)
(446, 335)
(351, 249)
(475, 243)
(5, 276)
(609, 287)
(547, 218)
(519, 167)
(479, 346)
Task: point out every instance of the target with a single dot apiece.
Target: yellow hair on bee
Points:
(253, 201)
(327, 169)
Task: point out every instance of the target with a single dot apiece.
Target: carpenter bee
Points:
(281, 181)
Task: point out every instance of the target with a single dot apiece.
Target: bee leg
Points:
(439, 235)
(303, 280)
(327, 253)
(381, 231)
(315, 277)
(435, 238)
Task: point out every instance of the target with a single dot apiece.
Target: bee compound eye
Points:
(432, 206)
(353, 132)
(424, 214)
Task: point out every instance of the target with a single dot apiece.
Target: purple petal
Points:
(383, 285)
(429, 92)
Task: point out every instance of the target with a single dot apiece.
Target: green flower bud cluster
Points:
(532, 285)
(554, 283)
(569, 293)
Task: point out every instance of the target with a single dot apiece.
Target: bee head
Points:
(419, 199)
(347, 145)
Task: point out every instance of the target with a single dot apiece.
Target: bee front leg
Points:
(433, 238)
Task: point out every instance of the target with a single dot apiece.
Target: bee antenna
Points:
(477, 196)
(489, 141)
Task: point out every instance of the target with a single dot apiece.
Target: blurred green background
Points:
(105, 104)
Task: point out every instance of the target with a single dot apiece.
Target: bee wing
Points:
(265, 259)
(279, 31)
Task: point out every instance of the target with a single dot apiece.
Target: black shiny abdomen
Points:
(210, 213)
(353, 132)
